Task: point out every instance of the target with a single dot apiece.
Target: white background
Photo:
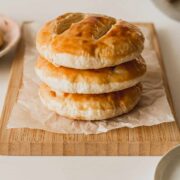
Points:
(126, 168)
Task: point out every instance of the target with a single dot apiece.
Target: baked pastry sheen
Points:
(91, 106)
(62, 79)
(89, 41)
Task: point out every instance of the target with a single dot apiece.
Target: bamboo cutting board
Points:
(154, 140)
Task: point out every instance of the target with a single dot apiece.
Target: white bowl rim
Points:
(164, 157)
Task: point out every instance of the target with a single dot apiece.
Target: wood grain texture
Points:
(154, 140)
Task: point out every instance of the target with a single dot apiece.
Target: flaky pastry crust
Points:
(89, 41)
(62, 79)
(91, 106)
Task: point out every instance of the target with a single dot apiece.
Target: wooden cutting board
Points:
(154, 140)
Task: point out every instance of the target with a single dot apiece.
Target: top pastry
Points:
(89, 41)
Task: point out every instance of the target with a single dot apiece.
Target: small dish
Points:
(169, 7)
(169, 166)
(11, 33)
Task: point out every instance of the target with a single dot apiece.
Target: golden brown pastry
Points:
(89, 41)
(62, 79)
(91, 106)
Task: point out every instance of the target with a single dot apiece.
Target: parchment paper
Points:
(29, 112)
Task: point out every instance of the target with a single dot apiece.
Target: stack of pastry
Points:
(90, 65)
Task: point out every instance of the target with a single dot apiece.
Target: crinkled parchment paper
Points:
(29, 112)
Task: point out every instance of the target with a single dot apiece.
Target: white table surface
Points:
(67, 168)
